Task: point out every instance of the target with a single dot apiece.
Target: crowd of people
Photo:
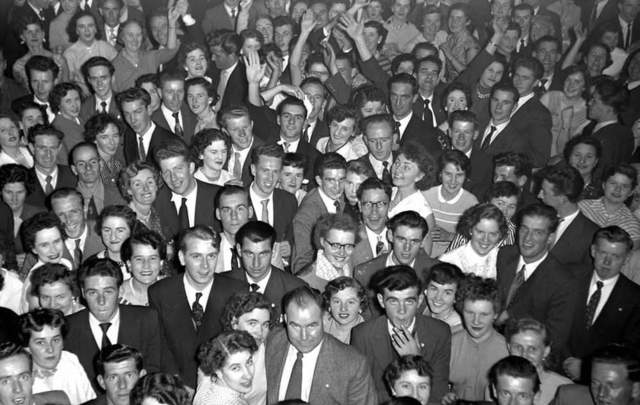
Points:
(354, 202)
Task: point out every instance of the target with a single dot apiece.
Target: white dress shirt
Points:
(146, 137)
(374, 238)
(499, 128)
(605, 293)
(191, 293)
(262, 284)
(42, 178)
(71, 243)
(530, 267)
(377, 165)
(391, 262)
(328, 202)
(111, 34)
(243, 157)
(293, 145)
(191, 203)
(224, 256)
(69, 376)
(256, 201)
(50, 114)
(99, 103)
(309, 361)
(112, 332)
(168, 115)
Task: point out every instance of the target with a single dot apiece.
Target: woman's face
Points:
(256, 323)
(530, 345)
(196, 63)
(452, 177)
(143, 187)
(237, 372)
(584, 158)
(132, 37)
(14, 194)
(115, 231)
(457, 21)
(198, 99)
(214, 156)
(344, 306)
(31, 117)
(456, 100)
(405, 172)
(86, 29)
(441, 297)
(491, 75)
(56, 295)
(485, 235)
(338, 246)
(69, 6)
(33, 36)
(46, 346)
(617, 188)
(9, 134)
(610, 39)
(411, 384)
(574, 85)
(596, 60)
(48, 245)
(374, 10)
(478, 318)
(250, 45)
(507, 204)
(371, 108)
(70, 104)
(341, 132)
(145, 264)
(265, 27)
(108, 140)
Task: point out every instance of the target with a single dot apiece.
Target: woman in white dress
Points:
(10, 149)
(343, 128)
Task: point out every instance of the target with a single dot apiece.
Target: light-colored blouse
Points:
(470, 262)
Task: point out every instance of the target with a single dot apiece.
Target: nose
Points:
(256, 261)
(476, 319)
(343, 306)
(49, 347)
(234, 214)
(303, 334)
(101, 299)
(402, 308)
(122, 383)
(113, 237)
(607, 260)
(16, 387)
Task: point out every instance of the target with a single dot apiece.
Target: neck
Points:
(138, 287)
(566, 209)
(586, 178)
(444, 314)
(610, 206)
(398, 20)
(290, 138)
(131, 53)
(45, 170)
(481, 338)
(104, 97)
(405, 191)
(607, 118)
(144, 131)
(446, 194)
(528, 260)
(142, 209)
(11, 150)
(399, 117)
(115, 256)
(206, 113)
(210, 173)
(258, 191)
(500, 121)
(104, 155)
(426, 94)
(231, 237)
(67, 116)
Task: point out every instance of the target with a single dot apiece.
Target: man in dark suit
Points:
(596, 12)
(380, 136)
(224, 16)
(406, 232)
(540, 9)
(190, 305)
(118, 369)
(98, 73)
(174, 114)
(561, 187)
(231, 79)
(316, 127)
(255, 243)
(522, 15)
(45, 143)
(236, 122)
(104, 322)
(548, 50)
(327, 198)
(185, 201)
(143, 136)
(628, 23)
(304, 345)
(373, 200)
(402, 330)
(531, 282)
(428, 105)
(499, 136)
(108, 20)
(608, 303)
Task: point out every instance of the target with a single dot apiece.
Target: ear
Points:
(101, 382)
(592, 249)
(234, 323)
(415, 97)
(318, 180)
(149, 110)
(547, 350)
(192, 167)
(181, 257)
(143, 372)
(253, 170)
(475, 134)
(73, 170)
(380, 300)
(218, 214)
(389, 236)
(635, 390)
(522, 180)
(250, 211)
(238, 248)
(31, 149)
(420, 299)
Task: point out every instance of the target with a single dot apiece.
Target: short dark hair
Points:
(39, 221)
(503, 189)
(163, 387)
(365, 93)
(230, 42)
(612, 93)
(622, 355)
(71, 26)
(41, 63)
(614, 234)
(290, 100)
(435, 59)
(625, 169)
(36, 319)
(230, 189)
(65, 192)
(456, 158)
(360, 168)
(9, 349)
(366, 122)
(474, 288)
(270, 150)
(373, 183)
(458, 86)
(506, 87)
(96, 61)
(146, 237)
(117, 353)
(340, 113)
(214, 353)
(231, 112)
(473, 215)
(338, 284)
(20, 105)
(406, 363)
(50, 273)
(121, 211)
(340, 221)
(296, 160)
(399, 59)
(539, 209)
(133, 94)
(14, 173)
(98, 123)
(94, 266)
(443, 273)
(60, 91)
(146, 78)
(463, 116)
(395, 278)
(77, 146)
(565, 180)
(582, 139)
(43, 129)
(189, 47)
(171, 76)
(380, 29)
(256, 231)
(548, 39)
(519, 161)
(515, 366)
(410, 219)
(242, 303)
(302, 296)
(404, 78)
(328, 161)
(172, 148)
(201, 81)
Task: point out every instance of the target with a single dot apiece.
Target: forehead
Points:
(84, 152)
(133, 105)
(73, 200)
(292, 109)
(604, 245)
(194, 243)
(173, 84)
(86, 19)
(504, 95)
(408, 232)
(114, 222)
(410, 292)
(333, 173)
(99, 281)
(374, 194)
(619, 178)
(235, 199)
(264, 160)
(401, 87)
(284, 29)
(512, 199)
(14, 365)
(260, 246)
(536, 222)
(478, 305)
(47, 331)
(143, 248)
(517, 384)
(309, 312)
(120, 367)
(47, 234)
(172, 162)
(462, 126)
(98, 70)
(41, 74)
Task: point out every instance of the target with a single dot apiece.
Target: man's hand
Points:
(449, 398)
(174, 13)
(572, 367)
(355, 29)
(285, 248)
(295, 91)
(404, 342)
(253, 68)
(245, 5)
(308, 21)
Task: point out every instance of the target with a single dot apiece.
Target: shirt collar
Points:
(255, 197)
(606, 283)
(262, 283)
(404, 121)
(149, 131)
(177, 198)
(115, 319)
(530, 267)
(328, 202)
(454, 200)
(390, 326)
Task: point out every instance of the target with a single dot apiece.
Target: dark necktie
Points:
(237, 166)
(92, 209)
(77, 253)
(197, 312)
(41, 14)
(398, 130)
(105, 339)
(294, 389)
(234, 18)
(183, 214)
(627, 37)
(515, 285)
(386, 174)
(178, 127)
(522, 45)
(543, 84)
(48, 187)
(141, 152)
(487, 139)
(336, 204)
(254, 287)
(234, 260)
(427, 115)
(103, 104)
(379, 247)
(590, 312)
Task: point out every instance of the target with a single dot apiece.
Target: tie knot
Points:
(175, 115)
(336, 204)
(198, 296)
(254, 287)
(599, 285)
(299, 356)
(105, 326)
(49, 178)
(184, 200)
(77, 241)
(426, 102)
(264, 202)
(385, 164)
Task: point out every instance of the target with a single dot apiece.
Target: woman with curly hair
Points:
(344, 300)
(105, 131)
(139, 183)
(210, 148)
(227, 360)
(160, 388)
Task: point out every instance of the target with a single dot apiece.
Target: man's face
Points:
(380, 140)
(234, 211)
(523, 19)
(159, 26)
(610, 385)
(14, 194)
(240, 130)
(56, 295)
(374, 206)
(177, 173)
(86, 164)
(71, 213)
(502, 104)
(100, 80)
(110, 11)
(406, 243)
(628, 9)
(401, 97)
(291, 121)
(41, 84)
(101, 294)
(315, 94)
(400, 306)
(401, 9)
(45, 151)
(478, 316)
(256, 258)
(371, 38)
(321, 13)
(501, 8)
(266, 172)
(548, 54)
(462, 135)
(508, 42)
(332, 182)
(411, 384)
(48, 245)
(222, 59)
(16, 381)
(524, 80)
(345, 68)
(428, 77)
(352, 183)
(534, 237)
(173, 94)
(608, 258)
(199, 260)
(514, 390)
(291, 178)
(137, 115)
(119, 379)
(617, 188)
(304, 326)
(282, 37)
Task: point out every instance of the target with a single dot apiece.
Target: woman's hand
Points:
(308, 21)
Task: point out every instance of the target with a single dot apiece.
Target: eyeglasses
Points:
(374, 204)
(338, 246)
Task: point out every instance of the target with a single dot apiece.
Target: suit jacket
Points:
(548, 295)
(189, 121)
(372, 339)
(480, 173)
(217, 18)
(573, 249)
(159, 136)
(572, 394)
(609, 12)
(237, 87)
(321, 130)
(280, 282)
(341, 376)
(99, 400)
(507, 140)
(618, 322)
(247, 177)
(617, 144)
(285, 206)
(532, 122)
(14, 47)
(169, 298)
(139, 328)
(205, 210)
(37, 198)
(311, 154)
(51, 397)
(436, 105)
(417, 131)
(88, 108)
(363, 251)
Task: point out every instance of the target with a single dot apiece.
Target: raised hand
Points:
(308, 21)
(404, 342)
(253, 68)
(353, 28)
